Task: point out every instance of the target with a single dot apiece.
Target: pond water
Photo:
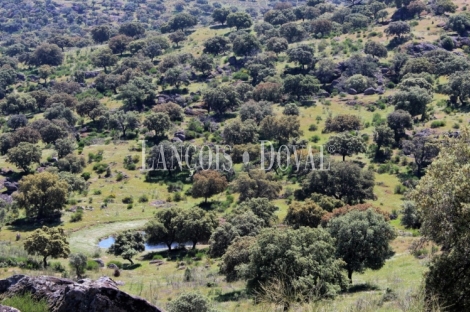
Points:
(107, 242)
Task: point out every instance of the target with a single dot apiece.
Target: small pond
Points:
(107, 242)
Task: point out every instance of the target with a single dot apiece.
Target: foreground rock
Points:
(64, 295)
(8, 309)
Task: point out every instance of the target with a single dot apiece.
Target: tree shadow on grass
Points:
(219, 26)
(31, 224)
(210, 205)
(362, 287)
(157, 176)
(235, 295)
(172, 255)
(131, 266)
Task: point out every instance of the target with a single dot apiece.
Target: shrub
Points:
(315, 138)
(143, 199)
(92, 265)
(86, 176)
(128, 200)
(400, 189)
(77, 216)
(100, 168)
(57, 267)
(313, 127)
(438, 123)
(116, 263)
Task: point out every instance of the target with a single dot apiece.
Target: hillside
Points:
(153, 116)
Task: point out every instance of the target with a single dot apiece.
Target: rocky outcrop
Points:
(85, 295)
(8, 309)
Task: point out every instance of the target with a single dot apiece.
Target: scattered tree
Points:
(47, 242)
(362, 240)
(208, 183)
(127, 245)
(346, 144)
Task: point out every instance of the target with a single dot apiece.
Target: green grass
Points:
(25, 303)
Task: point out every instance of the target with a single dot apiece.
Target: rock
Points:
(323, 93)
(100, 262)
(159, 262)
(232, 61)
(113, 266)
(180, 135)
(8, 309)
(176, 140)
(380, 90)
(11, 186)
(352, 91)
(20, 76)
(418, 49)
(85, 295)
(369, 91)
(384, 70)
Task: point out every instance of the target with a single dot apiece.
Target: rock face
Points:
(8, 309)
(85, 295)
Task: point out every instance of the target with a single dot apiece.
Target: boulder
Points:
(8, 309)
(323, 93)
(20, 76)
(113, 266)
(352, 91)
(11, 186)
(180, 135)
(100, 262)
(91, 74)
(369, 91)
(85, 295)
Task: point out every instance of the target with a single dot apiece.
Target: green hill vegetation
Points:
(292, 155)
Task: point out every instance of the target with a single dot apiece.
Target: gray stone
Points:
(352, 91)
(11, 186)
(369, 91)
(20, 76)
(8, 309)
(100, 262)
(85, 295)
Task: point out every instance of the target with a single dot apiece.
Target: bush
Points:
(128, 200)
(92, 265)
(438, 123)
(100, 168)
(116, 263)
(57, 267)
(315, 138)
(143, 199)
(77, 216)
(313, 127)
(86, 176)
(400, 189)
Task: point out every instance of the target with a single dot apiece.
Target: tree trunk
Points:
(44, 261)
(194, 244)
(350, 272)
(344, 157)
(169, 246)
(130, 260)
